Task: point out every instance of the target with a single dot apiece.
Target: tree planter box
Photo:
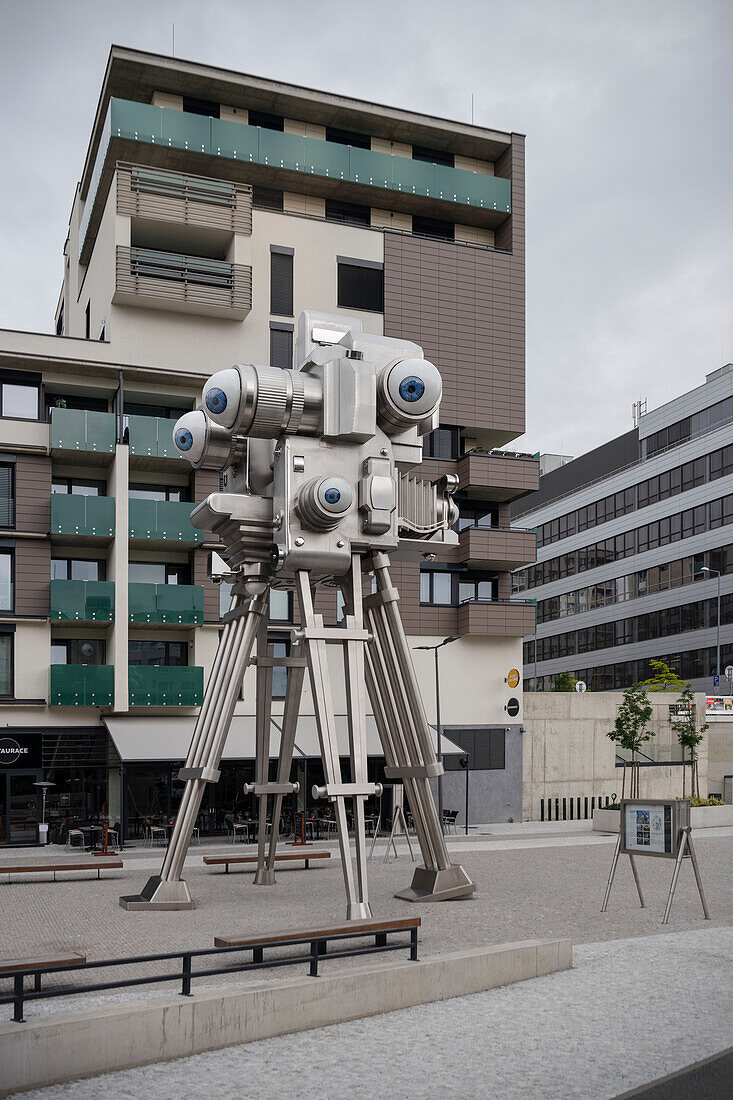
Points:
(701, 817)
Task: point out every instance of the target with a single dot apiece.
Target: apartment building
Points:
(212, 208)
(634, 548)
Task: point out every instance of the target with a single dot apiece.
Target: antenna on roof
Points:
(472, 108)
(174, 39)
(638, 409)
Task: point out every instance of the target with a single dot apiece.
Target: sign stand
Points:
(656, 827)
(399, 825)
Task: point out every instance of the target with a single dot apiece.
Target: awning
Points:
(141, 739)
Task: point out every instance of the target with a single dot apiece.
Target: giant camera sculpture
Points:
(318, 490)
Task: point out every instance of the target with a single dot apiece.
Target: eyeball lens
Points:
(333, 496)
(184, 439)
(216, 401)
(412, 388)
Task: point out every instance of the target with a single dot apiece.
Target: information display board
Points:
(651, 827)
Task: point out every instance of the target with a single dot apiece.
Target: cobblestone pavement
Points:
(628, 1012)
(532, 883)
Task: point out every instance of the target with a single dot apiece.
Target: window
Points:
(433, 227)
(443, 443)
(266, 121)
(360, 285)
(88, 321)
(484, 590)
(201, 107)
(20, 400)
(155, 572)
(433, 156)
(78, 487)
(349, 212)
(281, 346)
(74, 401)
(77, 651)
(486, 748)
(280, 648)
(281, 606)
(476, 515)
(267, 198)
(6, 664)
(176, 493)
(77, 569)
(157, 653)
(7, 495)
(436, 587)
(281, 281)
(60, 321)
(162, 409)
(6, 580)
(348, 137)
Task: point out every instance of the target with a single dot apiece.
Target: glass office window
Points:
(6, 581)
(20, 401)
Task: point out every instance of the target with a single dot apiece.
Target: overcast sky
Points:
(627, 111)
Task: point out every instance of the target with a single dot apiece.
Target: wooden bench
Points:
(62, 960)
(282, 857)
(97, 865)
(319, 937)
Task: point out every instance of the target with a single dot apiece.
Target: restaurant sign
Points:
(20, 751)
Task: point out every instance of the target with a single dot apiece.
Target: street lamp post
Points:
(438, 726)
(706, 569)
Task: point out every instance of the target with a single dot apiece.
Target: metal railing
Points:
(571, 807)
(185, 974)
(178, 196)
(176, 277)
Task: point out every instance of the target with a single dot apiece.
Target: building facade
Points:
(634, 547)
(212, 208)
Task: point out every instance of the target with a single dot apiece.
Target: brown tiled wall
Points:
(33, 493)
(32, 577)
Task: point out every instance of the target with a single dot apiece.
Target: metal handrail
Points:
(154, 264)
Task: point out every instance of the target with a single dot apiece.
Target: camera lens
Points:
(184, 439)
(333, 496)
(216, 401)
(412, 389)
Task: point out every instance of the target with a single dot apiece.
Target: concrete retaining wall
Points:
(53, 1049)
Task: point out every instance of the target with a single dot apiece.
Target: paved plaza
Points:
(613, 1022)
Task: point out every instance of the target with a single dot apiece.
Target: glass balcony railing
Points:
(82, 601)
(166, 603)
(79, 430)
(151, 436)
(82, 516)
(163, 126)
(163, 521)
(82, 685)
(166, 685)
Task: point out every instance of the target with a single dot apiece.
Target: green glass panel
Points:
(372, 169)
(164, 432)
(186, 131)
(416, 177)
(136, 121)
(77, 430)
(142, 435)
(143, 519)
(282, 150)
(141, 605)
(493, 193)
(182, 603)
(83, 516)
(326, 158)
(234, 140)
(454, 185)
(163, 520)
(82, 601)
(166, 685)
(81, 685)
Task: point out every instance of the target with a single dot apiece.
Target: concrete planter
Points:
(701, 817)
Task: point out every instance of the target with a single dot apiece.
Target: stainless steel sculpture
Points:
(318, 490)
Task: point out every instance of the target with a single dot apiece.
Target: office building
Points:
(634, 547)
(212, 207)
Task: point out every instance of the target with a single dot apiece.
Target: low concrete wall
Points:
(54, 1049)
(701, 817)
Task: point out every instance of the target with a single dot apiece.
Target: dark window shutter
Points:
(7, 518)
(281, 348)
(281, 284)
(361, 288)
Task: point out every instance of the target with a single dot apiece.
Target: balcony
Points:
(502, 618)
(500, 548)
(75, 431)
(75, 517)
(151, 437)
(498, 476)
(145, 192)
(82, 601)
(279, 159)
(163, 521)
(82, 685)
(190, 284)
(166, 603)
(166, 685)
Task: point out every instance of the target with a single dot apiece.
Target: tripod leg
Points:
(167, 891)
(356, 706)
(264, 875)
(315, 646)
(612, 874)
(407, 834)
(675, 875)
(438, 880)
(698, 880)
(293, 691)
(632, 861)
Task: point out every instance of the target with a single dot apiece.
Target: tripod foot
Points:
(451, 884)
(359, 910)
(159, 894)
(264, 876)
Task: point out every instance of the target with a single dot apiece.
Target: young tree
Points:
(663, 678)
(631, 730)
(564, 682)
(689, 735)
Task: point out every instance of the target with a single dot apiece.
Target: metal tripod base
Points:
(264, 876)
(451, 884)
(359, 910)
(158, 894)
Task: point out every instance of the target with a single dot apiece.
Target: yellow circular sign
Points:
(513, 678)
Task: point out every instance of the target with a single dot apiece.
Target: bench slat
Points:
(307, 934)
(285, 857)
(27, 868)
(7, 966)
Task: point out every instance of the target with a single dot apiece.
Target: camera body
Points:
(316, 463)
